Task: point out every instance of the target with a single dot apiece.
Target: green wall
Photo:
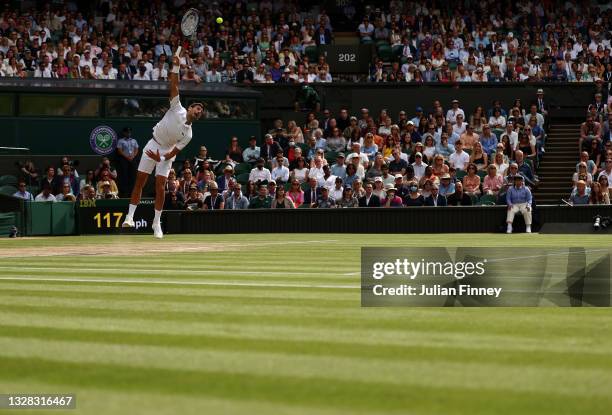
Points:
(71, 135)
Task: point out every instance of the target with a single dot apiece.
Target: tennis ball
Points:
(219, 20)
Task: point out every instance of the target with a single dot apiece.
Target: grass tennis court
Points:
(272, 324)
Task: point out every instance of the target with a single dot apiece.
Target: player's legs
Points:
(145, 168)
(162, 169)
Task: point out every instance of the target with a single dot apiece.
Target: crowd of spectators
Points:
(489, 41)
(442, 156)
(264, 42)
(590, 181)
(276, 42)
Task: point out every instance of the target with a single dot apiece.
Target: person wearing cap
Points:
(418, 165)
(417, 118)
(400, 187)
(223, 181)
(170, 135)
(519, 199)
(252, 152)
(324, 201)
(106, 192)
(193, 198)
(347, 200)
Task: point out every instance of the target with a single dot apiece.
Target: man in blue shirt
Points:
(127, 150)
(519, 199)
(488, 140)
(22, 193)
(339, 169)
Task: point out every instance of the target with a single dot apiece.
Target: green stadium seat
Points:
(34, 190)
(305, 186)
(385, 53)
(8, 190)
(487, 200)
(242, 168)
(331, 156)
(380, 43)
(482, 174)
(304, 206)
(8, 179)
(397, 50)
(461, 174)
(243, 178)
(312, 52)
(304, 148)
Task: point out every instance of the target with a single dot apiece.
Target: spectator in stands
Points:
(174, 200)
(234, 152)
(518, 199)
(65, 193)
(459, 197)
(414, 198)
(589, 130)
(252, 152)
(214, 201)
(21, 192)
(49, 178)
(312, 192)
(88, 193)
(444, 148)
(391, 198)
(607, 171)
(223, 181)
(280, 173)
(580, 196)
(369, 199)
(493, 182)
(604, 186)
(459, 159)
(347, 200)
(67, 177)
(497, 121)
(478, 157)
(447, 186)
(260, 173)
(45, 195)
(597, 197)
(295, 193)
(236, 200)
(106, 191)
(324, 201)
(435, 198)
(281, 201)
(488, 140)
(193, 199)
(29, 173)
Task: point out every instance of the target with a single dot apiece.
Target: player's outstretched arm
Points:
(174, 77)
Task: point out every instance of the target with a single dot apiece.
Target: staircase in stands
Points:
(558, 164)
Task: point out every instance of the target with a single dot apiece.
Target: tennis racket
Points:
(189, 27)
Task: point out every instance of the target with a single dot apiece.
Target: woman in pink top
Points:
(471, 181)
(295, 193)
(493, 182)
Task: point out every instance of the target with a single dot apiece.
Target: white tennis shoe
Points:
(128, 223)
(157, 230)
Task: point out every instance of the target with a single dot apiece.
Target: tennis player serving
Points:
(170, 135)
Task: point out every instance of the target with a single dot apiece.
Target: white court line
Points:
(165, 282)
(568, 253)
(162, 271)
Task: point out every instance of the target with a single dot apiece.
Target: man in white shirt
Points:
(280, 172)
(459, 159)
(260, 173)
(512, 135)
(418, 165)
(45, 195)
(363, 157)
(170, 135)
(316, 171)
(451, 114)
(460, 126)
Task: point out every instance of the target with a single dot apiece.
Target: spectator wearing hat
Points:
(369, 199)
(106, 192)
(400, 188)
(174, 200)
(447, 186)
(260, 173)
(262, 200)
(338, 169)
(435, 198)
(541, 103)
(518, 199)
(127, 151)
(252, 152)
(193, 200)
(451, 114)
(391, 198)
(223, 181)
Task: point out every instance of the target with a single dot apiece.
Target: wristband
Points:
(162, 158)
(175, 69)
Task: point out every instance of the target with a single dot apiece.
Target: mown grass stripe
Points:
(569, 358)
(317, 392)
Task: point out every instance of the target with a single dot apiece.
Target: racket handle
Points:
(178, 52)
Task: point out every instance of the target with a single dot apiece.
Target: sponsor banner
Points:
(485, 277)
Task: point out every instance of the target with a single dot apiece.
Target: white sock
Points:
(528, 227)
(131, 210)
(510, 227)
(157, 217)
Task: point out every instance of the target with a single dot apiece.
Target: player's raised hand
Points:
(155, 156)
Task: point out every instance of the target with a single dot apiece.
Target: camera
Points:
(601, 222)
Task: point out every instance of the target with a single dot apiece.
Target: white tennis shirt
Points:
(171, 131)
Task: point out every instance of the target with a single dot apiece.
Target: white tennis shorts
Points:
(147, 164)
